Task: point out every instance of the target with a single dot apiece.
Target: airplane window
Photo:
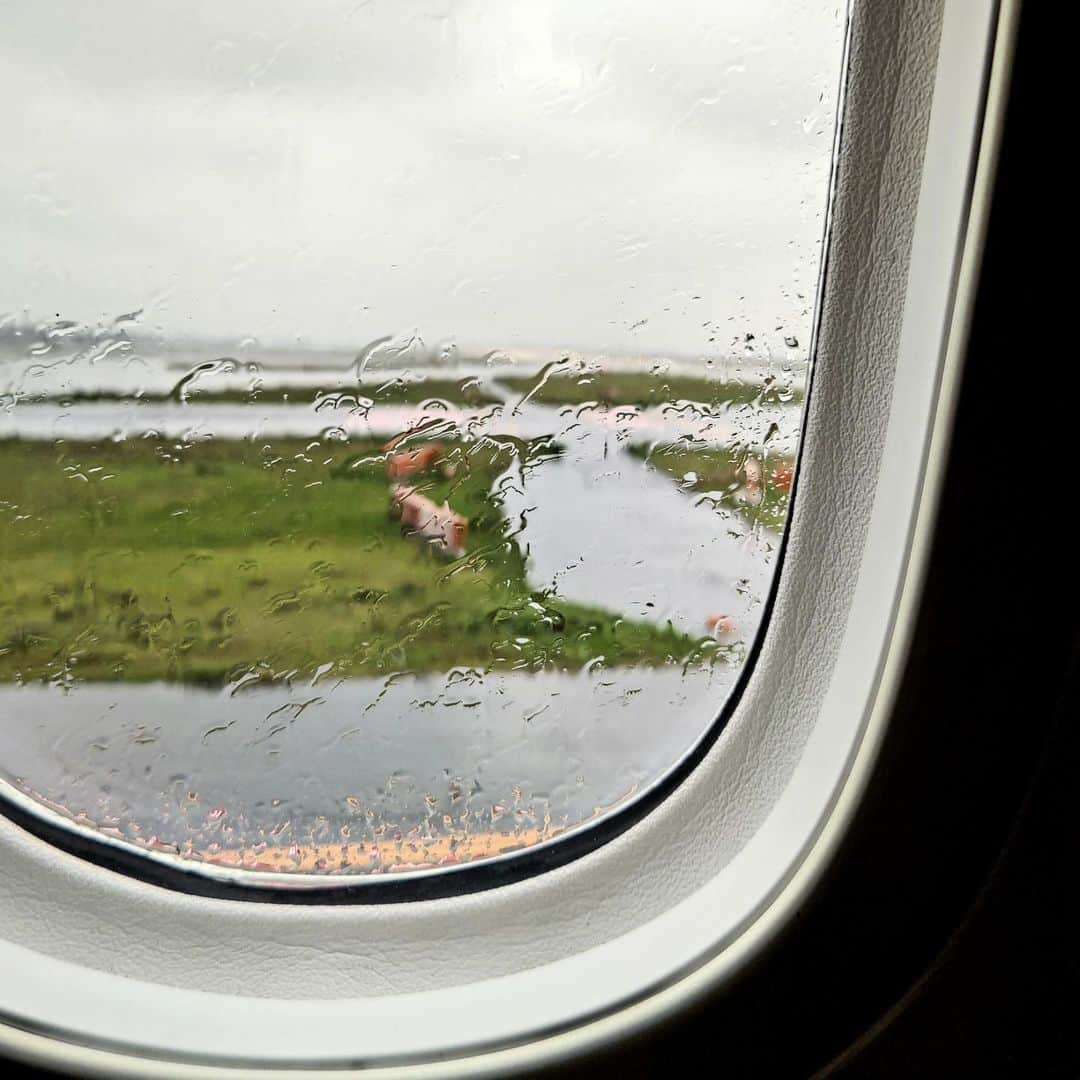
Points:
(400, 408)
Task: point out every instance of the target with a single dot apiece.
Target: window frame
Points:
(691, 933)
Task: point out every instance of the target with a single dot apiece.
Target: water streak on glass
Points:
(399, 407)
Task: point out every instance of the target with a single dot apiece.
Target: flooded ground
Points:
(418, 767)
(362, 762)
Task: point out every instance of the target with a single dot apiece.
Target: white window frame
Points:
(116, 976)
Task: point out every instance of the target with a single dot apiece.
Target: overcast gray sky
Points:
(599, 174)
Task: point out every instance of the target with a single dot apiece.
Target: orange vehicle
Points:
(402, 464)
(722, 627)
(782, 476)
(446, 529)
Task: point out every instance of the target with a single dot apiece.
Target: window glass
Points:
(399, 408)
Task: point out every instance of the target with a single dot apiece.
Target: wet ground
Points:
(469, 753)
(465, 752)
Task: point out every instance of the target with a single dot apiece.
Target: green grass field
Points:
(642, 389)
(715, 472)
(229, 561)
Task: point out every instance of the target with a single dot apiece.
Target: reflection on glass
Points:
(290, 585)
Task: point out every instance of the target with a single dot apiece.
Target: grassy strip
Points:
(716, 473)
(644, 389)
(234, 560)
(392, 392)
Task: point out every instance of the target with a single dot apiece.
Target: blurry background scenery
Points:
(398, 407)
